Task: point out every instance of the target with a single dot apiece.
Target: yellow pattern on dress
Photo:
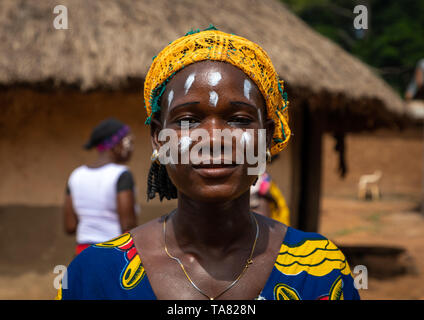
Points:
(116, 242)
(284, 292)
(316, 257)
(59, 293)
(336, 291)
(133, 273)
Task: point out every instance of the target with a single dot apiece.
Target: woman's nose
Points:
(222, 138)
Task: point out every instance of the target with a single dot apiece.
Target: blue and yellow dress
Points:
(308, 267)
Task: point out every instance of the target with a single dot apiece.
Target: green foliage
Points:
(393, 42)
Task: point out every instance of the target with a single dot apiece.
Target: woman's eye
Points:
(187, 121)
(240, 121)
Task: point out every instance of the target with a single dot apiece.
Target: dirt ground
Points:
(389, 232)
(382, 224)
(393, 222)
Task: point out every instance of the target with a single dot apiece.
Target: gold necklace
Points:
(248, 262)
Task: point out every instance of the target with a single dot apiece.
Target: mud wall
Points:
(41, 138)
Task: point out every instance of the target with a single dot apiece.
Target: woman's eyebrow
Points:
(244, 103)
(185, 104)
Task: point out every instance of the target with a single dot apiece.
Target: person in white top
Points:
(415, 89)
(100, 198)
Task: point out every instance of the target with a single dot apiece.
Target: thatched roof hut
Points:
(109, 45)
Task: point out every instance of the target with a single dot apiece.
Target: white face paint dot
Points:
(189, 82)
(185, 143)
(213, 98)
(246, 138)
(170, 97)
(214, 78)
(246, 89)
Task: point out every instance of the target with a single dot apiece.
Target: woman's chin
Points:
(214, 193)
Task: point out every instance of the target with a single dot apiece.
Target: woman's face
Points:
(124, 149)
(205, 97)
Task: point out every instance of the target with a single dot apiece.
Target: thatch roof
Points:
(111, 42)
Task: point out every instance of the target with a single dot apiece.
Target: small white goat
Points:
(369, 182)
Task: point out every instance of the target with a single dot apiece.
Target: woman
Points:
(415, 89)
(100, 200)
(211, 246)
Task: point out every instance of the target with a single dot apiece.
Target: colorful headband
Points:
(212, 44)
(112, 141)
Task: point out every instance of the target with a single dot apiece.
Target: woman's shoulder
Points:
(77, 170)
(112, 267)
(310, 266)
(118, 166)
(148, 227)
(295, 237)
(105, 256)
(147, 237)
(310, 252)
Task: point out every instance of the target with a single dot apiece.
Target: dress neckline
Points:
(267, 282)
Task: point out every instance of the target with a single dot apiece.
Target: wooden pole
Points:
(422, 168)
(311, 171)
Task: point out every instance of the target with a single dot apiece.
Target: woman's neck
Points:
(217, 227)
(103, 158)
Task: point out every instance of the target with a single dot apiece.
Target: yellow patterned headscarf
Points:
(244, 54)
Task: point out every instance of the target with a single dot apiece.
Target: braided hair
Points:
(158, 180)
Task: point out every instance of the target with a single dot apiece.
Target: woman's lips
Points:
(214, 170)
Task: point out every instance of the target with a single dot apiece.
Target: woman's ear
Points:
(116, 150)
(270, 127)
(155, 128)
